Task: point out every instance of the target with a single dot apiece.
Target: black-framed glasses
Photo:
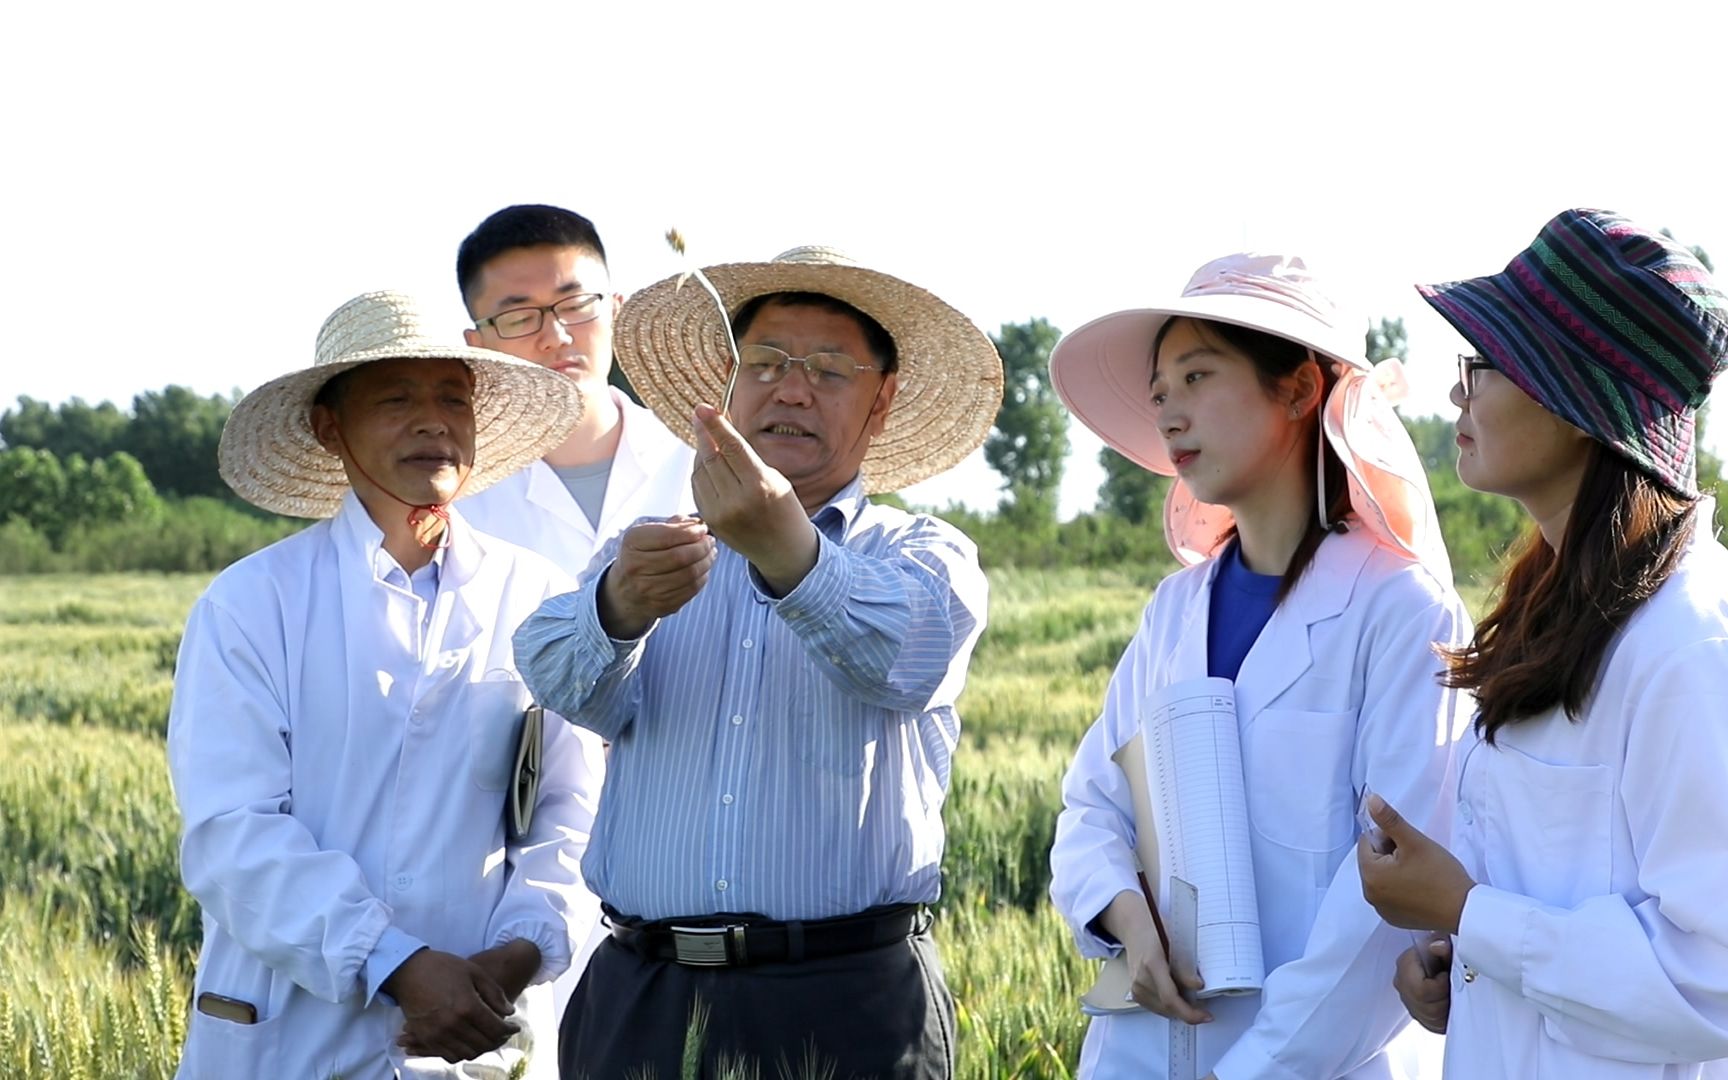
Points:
(825, 370)
(520, 322)
(1468, 365)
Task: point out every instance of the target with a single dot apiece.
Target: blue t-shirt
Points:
(1242, 601)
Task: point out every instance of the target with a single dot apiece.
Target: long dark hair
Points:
(1543, 644)
(1276, 359)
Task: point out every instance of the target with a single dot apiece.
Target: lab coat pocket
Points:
(1549, 831)
(494, 707)
(218, 1049)
(1297, 767)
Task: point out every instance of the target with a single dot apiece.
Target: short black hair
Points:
(526, 226)
(881, 342)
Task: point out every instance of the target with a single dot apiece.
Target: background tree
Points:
(174, 434)
(111, 489)
(1030, 438)
(93, 431)
(1129, 492)
(1388, 341)
(33, 488)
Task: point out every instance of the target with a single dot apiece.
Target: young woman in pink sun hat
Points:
(1317, 583)
(1585, 901)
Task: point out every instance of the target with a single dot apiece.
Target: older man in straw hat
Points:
(347, 722)
(777, 679)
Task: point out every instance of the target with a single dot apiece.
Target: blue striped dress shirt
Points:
(787, 757)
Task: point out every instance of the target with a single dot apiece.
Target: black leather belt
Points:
(742, 940)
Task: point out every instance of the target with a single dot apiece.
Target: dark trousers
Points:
(884, 1013)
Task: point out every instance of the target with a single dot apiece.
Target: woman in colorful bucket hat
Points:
(1317, 582)
(1585, 903)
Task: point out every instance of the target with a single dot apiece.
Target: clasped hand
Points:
(458, 1009)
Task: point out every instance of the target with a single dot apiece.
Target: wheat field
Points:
(97, 938)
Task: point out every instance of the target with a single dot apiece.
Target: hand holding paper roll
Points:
(1184, 772)
(1155, 984)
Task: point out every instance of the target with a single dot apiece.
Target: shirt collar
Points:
(360, 534)
(843, 509)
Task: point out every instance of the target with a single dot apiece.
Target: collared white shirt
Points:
(340, 750)
(533, 509)
(1337, 692)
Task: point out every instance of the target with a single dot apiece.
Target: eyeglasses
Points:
(826, 370)
(518, 322)
(1468, 365)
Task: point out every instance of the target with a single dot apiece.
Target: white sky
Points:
(193, 188)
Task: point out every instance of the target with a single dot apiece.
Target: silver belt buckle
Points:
(708, 946)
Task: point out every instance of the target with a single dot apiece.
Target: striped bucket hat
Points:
(1614, 328)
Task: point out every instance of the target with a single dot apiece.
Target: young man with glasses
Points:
(536, 284)
(778, 681)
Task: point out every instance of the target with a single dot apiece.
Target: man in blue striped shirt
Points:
(777, 679)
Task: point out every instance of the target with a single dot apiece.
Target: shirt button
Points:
(726, 800)
(721, 884)
(1464, 813)
(1469, 973)
(747, 643)
(737, 719)
(403, 881)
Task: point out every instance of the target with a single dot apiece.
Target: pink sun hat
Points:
(1103, 370)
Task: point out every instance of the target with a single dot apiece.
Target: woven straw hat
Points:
(672, 345)
(270, 457)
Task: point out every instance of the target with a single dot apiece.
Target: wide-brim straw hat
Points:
(270, 457)
(1103, 372)
(1613, 327)
(671, 343)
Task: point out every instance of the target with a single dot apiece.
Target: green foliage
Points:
(172, 433)
(73, 1005)
(1020, 535)
(1017, 979)
(1387, 341)
(33, 488)
(87, 818)
(1030, 438)
(73, 428)
(169, 535)
(1130, 492)
(56, 498)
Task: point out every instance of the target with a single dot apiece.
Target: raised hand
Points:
(1418, 885)
(749, 505)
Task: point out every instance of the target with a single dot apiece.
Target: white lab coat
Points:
(532, 507)
(1596, 945)
(1338, 691)
(340, 777)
